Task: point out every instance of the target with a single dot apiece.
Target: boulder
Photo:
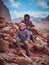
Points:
(9, 38)
(4, 45)
(48, 42)
(39, 47)
(4, 11)
(31, 44)
(13, 59)
(11, 32)
(1, 35)
(2, 62)
(2, 22)
(6, 29)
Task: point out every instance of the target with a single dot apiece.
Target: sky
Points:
(35, 8)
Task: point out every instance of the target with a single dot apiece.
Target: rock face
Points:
(4, 12)
(11, 55)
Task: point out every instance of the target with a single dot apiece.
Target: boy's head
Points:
(22, 26)
(26, 17)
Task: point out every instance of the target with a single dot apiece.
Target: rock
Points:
(12, 32)
(48, 42)
(21, 52)
(6, 29)
(2, 62)
(31, 44)
(1, 35)
(13, 51)
(9, 38)
(34, 63)
(16, 26)
(46, 50)
(11, 64)
(4, 45)
(9, 54)
(4, 12)
(11, 59)
(2, 23)
(39, 47)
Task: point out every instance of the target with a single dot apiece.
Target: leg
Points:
(27, 47)
(31, 37)
(18, 46)
(18, 43)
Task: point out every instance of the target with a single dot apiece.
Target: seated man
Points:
(23, 36)
(29, 25)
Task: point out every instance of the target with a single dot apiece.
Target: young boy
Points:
(23, 36)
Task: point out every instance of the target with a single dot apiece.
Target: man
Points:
(29, 26)
(27, 21)
(23, 36)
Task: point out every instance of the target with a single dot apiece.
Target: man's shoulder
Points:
(30, 21)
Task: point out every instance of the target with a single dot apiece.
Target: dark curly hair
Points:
(27, 16)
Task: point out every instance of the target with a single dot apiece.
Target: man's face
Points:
(22, 27)
(26, 18)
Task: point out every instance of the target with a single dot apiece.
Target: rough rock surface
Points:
(4, 12)
(9, 54)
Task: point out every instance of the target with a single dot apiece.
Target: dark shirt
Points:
(28, 23)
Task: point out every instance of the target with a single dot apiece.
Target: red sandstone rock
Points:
(17, 58)
(11, 32)
(9, 38)
(48, 42)
(1, 35)
(39, 47)
(6, 29)
(4, 45)
(31, 43)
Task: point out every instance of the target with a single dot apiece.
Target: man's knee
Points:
(18, 43)
(26, 43)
